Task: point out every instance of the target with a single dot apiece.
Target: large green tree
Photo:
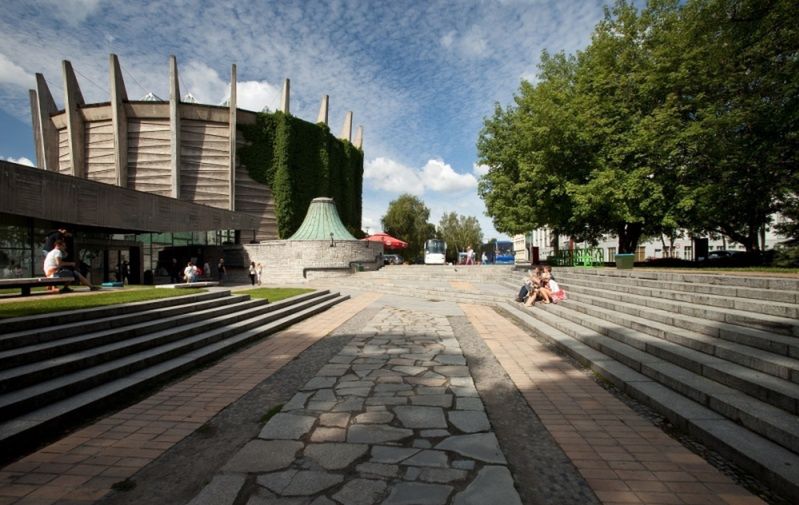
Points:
(681, 115)
(533, 149)
(459, 232)
(736, 88)
(406, 219)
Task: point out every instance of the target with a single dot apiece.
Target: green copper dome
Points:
(321, 221)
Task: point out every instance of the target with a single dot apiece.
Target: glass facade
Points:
(100, 254)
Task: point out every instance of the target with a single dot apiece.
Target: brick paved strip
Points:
(82, 467)
(623, 457)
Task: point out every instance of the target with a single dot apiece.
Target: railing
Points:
(585, 257)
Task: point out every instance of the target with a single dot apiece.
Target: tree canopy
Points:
(459, 232)
(406, 219)
(681, 115)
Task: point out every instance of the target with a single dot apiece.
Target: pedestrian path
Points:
(81, 467)
(394, 418)
(622, 456)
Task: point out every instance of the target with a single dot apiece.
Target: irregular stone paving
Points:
(393, 419)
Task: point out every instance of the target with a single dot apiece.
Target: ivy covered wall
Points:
(301, 161)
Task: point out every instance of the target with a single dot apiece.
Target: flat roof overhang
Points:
(33, 192)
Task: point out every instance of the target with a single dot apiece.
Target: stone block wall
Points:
(299, 261)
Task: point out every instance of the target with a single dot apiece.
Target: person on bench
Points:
(56, 266)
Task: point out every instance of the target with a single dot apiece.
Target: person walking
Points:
(259, 270)
(221, 271)
(253, 273)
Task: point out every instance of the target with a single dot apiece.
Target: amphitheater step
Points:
(752, 337)
(40, 344)
(40, 408)
(762, 360)
(57, 358)
(741, 299)
(759, 416)
(769, 460)
(782, 325)
(778, 290)
(47, 321)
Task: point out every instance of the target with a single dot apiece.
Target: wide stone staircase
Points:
(60, 369)
(469, 284)
(717, 355)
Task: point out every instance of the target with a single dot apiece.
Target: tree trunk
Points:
(629, 234)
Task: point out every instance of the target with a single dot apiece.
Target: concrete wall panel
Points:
(100, 153)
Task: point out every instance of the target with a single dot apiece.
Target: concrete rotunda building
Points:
(143, 176)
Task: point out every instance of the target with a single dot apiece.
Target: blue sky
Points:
(420, 76)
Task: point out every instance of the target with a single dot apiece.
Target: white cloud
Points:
(255, 95)
(480, 170)
(473, 43)
(203, 82)
(391, 176)
(21, 161)
(72, 11)
(439, 176)
(448, 39)
(11, 73)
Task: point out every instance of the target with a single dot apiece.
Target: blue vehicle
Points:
(503, 253)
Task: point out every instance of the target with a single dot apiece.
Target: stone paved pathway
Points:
(394, 418)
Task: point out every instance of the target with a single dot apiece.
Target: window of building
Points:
(611, 254)
(688, 252)
(640, 254)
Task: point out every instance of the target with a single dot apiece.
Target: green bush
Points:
(301, 161)
(786, 256)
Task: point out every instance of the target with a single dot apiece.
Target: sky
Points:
(419, 76)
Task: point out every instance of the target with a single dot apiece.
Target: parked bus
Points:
(503, 253)
(435, 251)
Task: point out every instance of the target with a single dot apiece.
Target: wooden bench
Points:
(26, 283)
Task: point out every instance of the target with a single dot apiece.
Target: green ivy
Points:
(301, 161)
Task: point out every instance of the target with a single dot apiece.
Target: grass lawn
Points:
(57, 303)
(273, 294)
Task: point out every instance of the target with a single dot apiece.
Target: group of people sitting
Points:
(541, 285)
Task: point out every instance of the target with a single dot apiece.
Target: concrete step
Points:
(734, 301)
(38, 344)
(744, 280)
(759, 416)
(118, 360)
(45, 321)
(20, 434)
(777, 365)
(767, 388)
(790, 296)
(57, 358)
(778, 344)
(420, 289)
(768, 460)
(781, 325)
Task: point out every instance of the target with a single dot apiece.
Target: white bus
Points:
(435, 251)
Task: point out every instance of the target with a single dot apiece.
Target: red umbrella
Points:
(388, 241)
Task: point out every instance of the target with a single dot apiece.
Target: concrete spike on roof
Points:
(151, 97)
(322, 221)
